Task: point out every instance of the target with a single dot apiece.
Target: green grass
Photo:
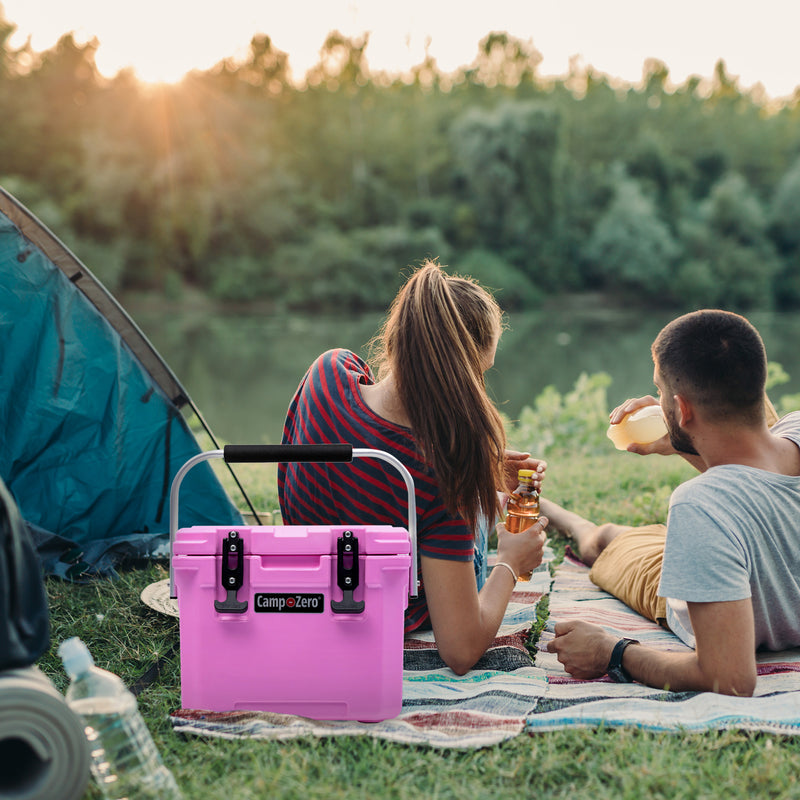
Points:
(127, 637)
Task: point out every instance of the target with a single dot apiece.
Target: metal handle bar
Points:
(298, 453)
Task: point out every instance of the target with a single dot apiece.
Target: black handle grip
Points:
(271, 453)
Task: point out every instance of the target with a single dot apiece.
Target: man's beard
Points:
(677, 437)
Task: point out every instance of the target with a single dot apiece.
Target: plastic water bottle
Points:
(125, 762)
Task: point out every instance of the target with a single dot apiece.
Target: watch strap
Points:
(615, 670)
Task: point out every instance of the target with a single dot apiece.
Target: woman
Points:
(429, 408)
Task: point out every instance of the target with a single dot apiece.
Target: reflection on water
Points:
(241, 370)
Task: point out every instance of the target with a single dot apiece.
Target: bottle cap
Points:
(76, 656)
(525, 473)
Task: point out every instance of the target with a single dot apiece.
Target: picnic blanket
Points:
(508, 693)
(440, 709)
(775, 706)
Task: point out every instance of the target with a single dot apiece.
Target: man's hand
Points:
(584, 649)
(662, 446)
(629, 406)
(723, 662)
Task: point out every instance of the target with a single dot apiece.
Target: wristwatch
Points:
(615, 670)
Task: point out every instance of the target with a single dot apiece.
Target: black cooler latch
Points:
(347, 575)
(232, 576)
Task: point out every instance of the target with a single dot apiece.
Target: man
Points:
(724, 574)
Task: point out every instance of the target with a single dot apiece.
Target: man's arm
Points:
(723, 662)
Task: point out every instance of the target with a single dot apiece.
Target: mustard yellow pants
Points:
(630, 569)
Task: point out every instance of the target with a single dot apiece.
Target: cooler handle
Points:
(271, 453)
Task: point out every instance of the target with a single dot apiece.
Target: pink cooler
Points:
(304, 620)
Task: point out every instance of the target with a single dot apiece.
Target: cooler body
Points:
(304, 620)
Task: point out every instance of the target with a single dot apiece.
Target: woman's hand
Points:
(523, 551)
(515, 461)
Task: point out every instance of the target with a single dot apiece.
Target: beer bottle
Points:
(522, 510)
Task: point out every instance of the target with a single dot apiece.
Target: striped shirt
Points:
(328, 408)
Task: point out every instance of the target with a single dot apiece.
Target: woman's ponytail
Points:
(436, 340)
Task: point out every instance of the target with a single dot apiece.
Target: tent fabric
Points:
(93, 431)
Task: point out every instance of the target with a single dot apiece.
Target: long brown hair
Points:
(438, 333)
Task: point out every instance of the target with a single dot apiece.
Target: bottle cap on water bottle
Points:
(76, 656)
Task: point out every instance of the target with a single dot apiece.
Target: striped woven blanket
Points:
(572, 703)
(507, 693)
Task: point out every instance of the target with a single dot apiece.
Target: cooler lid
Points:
(205, 540)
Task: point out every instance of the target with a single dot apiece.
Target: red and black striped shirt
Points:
(328, 408)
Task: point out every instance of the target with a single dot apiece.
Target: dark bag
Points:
(24, 616)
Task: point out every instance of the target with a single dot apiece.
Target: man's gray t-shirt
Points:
(733, 532)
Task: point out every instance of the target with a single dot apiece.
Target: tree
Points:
(265, 69)
(342, 63)
(504, 61)
(8, 56)
(212, 179)
(785, 223)
(58, 98)
(652, 162)
(655, 75)
(785, 209)
(510, 159)
(728, 243)
(355, 271)
(631, 248)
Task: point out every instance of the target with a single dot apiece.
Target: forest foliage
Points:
(320, 193)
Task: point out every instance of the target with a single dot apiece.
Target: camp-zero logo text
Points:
(289, 603)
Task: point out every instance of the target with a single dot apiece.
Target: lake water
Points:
(242, 369)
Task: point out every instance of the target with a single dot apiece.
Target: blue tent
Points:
(93, 419)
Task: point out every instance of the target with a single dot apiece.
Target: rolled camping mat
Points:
(44, 753)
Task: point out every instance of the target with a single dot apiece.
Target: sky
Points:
(164, 39)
